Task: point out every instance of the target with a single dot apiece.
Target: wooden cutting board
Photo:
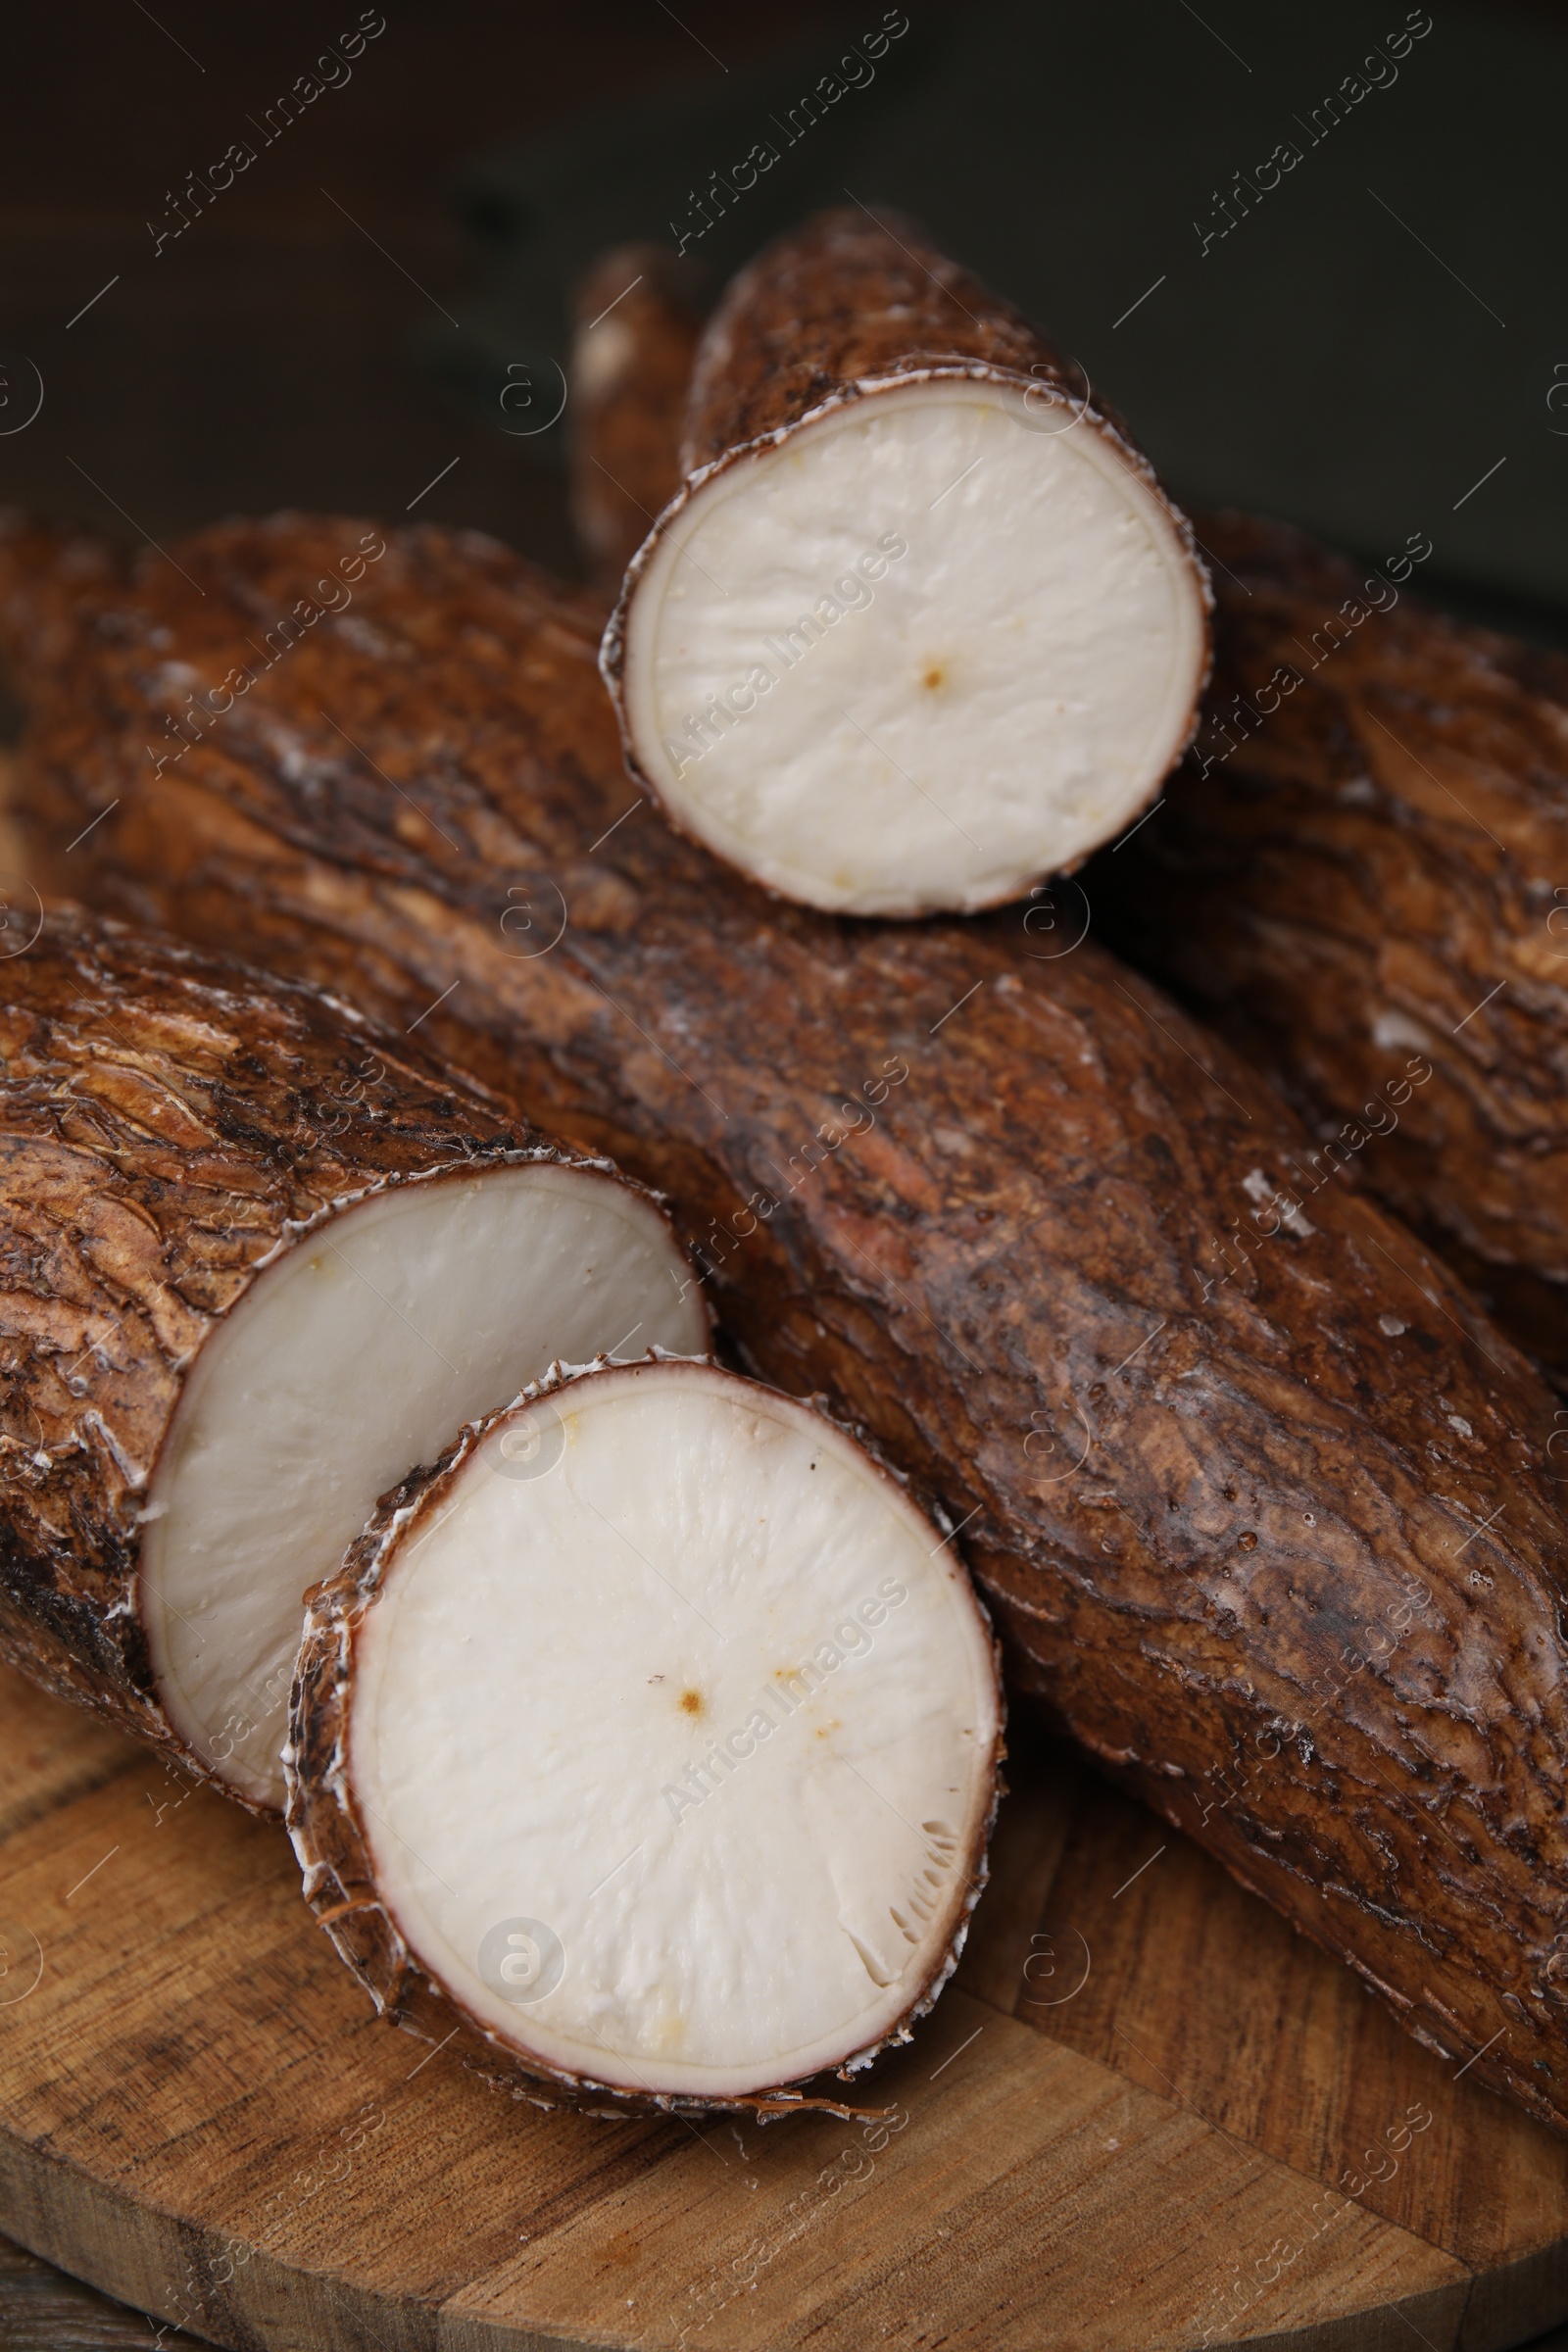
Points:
(1145, 2118)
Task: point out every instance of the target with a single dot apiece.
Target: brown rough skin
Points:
(335, 1857)
(848, 306)
(852, 301)
(1365, 854)
(966, 1179)
(168, 1120)
(636, 327)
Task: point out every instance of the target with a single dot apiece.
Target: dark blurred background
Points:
(277, 354)
(1375, 346)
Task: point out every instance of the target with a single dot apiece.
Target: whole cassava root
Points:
(1229, 1472)
(227, 1207)
(1366, 856)
(920, 625)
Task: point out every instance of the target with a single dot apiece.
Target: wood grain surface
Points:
(1139, 2119)
(41, 2310)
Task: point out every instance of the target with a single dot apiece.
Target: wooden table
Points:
(1130, 2125)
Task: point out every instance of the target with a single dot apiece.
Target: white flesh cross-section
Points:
(921, 653)
(353, 1359)
(673, 1740)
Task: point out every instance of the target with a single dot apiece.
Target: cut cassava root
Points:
(1355, 865)
(258, 1259)
(921, 627)
(1258, 1497)
(657, 1729)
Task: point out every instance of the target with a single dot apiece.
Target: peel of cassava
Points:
(920, 627)
(258, 1259)
(651, 1735)
(1366, 857)
(1259, 1497)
